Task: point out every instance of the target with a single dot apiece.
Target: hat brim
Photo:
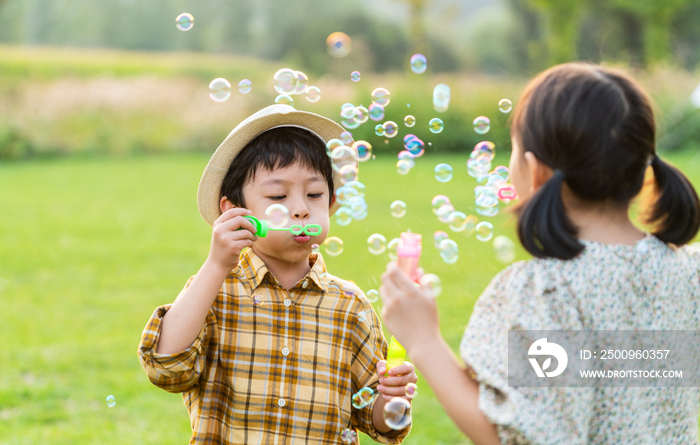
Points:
(209, 191)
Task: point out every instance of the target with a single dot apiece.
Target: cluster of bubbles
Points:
(351, 116)
(220, 89)
(413, 148)
(363, 398)
(288, 82)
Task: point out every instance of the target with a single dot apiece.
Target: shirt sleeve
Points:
(180, 371)
(524, 296)
(370, 347)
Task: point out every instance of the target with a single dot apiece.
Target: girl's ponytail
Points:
(677, 208)
(544, 228)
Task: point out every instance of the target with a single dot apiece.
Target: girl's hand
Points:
(227, 241)
(395, 384)
(409, 312)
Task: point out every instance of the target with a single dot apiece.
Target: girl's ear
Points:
(539, 171)
(225, 204)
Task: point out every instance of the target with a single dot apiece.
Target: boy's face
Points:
(304, 192)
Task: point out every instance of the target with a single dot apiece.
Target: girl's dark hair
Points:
(595, 128)
(276, 148)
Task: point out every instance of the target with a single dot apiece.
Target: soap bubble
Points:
(244, 86)
(419, 63)
(449, 251)
(458, 221)
(398, 209)
(258, 299)
(361, 114)
(392, 249)
(362, 398)
(342, 156)
(358, 186)
(277, 216)
(403, 166)
(376, 244)
(361, 317)
(333, 246)
(364, 150)
(379, 130)
(284, 99)
(505, 105)
(376, 112)
(414, 145)
(332, 145)
(409, 121)
(445, 212)
(372, 295)
(338, 44)
(390, 129)
(285, 81)
(482, 125)
(504, 248)
(314, 247)
(348, 436)
(184, 21)
(502, 171)
(302, 83)
(438, 236)
(355, 76)
(381, 97)
(441, 98)
(470, 224)
(343, 216)
(431, 283)
(348, 173)
(347, 111)
(313, 94)
(439, 201)
(411, 390)
(484, 231)
(484, 147)
(397, 413)
(443, 172)
(111, 401)
(219, 89)
(436, 125)
(346, 137)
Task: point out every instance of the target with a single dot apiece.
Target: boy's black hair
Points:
(276, 148)
(595, 128)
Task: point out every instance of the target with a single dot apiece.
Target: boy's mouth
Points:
(302, 239)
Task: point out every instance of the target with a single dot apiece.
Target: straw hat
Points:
(266, 119)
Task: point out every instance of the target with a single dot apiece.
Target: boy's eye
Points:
(277, 198)
(315, 195)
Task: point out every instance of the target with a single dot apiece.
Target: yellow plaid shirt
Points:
(280, 372)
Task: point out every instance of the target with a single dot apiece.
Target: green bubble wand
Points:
(262, 227)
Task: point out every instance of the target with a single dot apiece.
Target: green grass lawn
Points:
(89, 247)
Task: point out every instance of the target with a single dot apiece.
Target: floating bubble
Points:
(470, 223)
(285, 81)
(342, 156)
(302, 83)
(398, 209)
(504, 248)
(419, 63)
(502, 171)
(284, 99)
(436, 125)
(478, 167)
(347, 111)
(313, 94)
(484, 231)
(449, 251)
(348, 173)
(403, 166)
(411, 390)
(392, 249)
(332, 145)
(314, 248)
(438, 236)
(244, 86)
(438, 201)
(484, 148)
(348, 436)
(391, 129)
(343, 216)
(277, 216)
(379, 130)
(184, 21)
(258, 299)
(111, 401)
(457, 221)
(482, 125)
(441, 98)
(376, 244)
(372, 295)
(505, 105)
(443, 172)
(361, 317)
(376, 112)
(358, 186)
(445, 212)
(381, 97)
(431, 283)
(362, 398)
(346, 137)
(355, 76)
(350, 124)
(364, 150)
(414, 145)
(219, 89)
(409, 121)
(333, 246)
(397, 413)
(338, 44)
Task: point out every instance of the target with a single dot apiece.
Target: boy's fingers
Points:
(396, 391)
(401, 380)
(236, 222)
(403, 368)
(232, 213)
(381, 367)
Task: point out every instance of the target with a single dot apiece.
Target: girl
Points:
(582, 137)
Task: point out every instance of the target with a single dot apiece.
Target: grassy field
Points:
(89, 247)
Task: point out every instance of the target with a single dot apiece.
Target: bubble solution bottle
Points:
(408, 251)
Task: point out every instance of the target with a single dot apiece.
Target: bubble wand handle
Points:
(396, 354)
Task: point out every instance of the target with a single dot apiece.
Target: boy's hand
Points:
(227, 242)
(399, 377)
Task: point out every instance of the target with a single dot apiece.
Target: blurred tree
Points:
(563, 20)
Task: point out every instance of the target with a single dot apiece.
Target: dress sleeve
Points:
(370, 347)
(180, 371)
(524, 296)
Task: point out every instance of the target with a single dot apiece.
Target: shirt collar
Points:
(254, 269)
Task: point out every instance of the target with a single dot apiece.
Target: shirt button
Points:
(285, 352)
(305, 284)
(281, 402)
(287, 302)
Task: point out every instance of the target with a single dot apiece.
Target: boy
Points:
(265, 346)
